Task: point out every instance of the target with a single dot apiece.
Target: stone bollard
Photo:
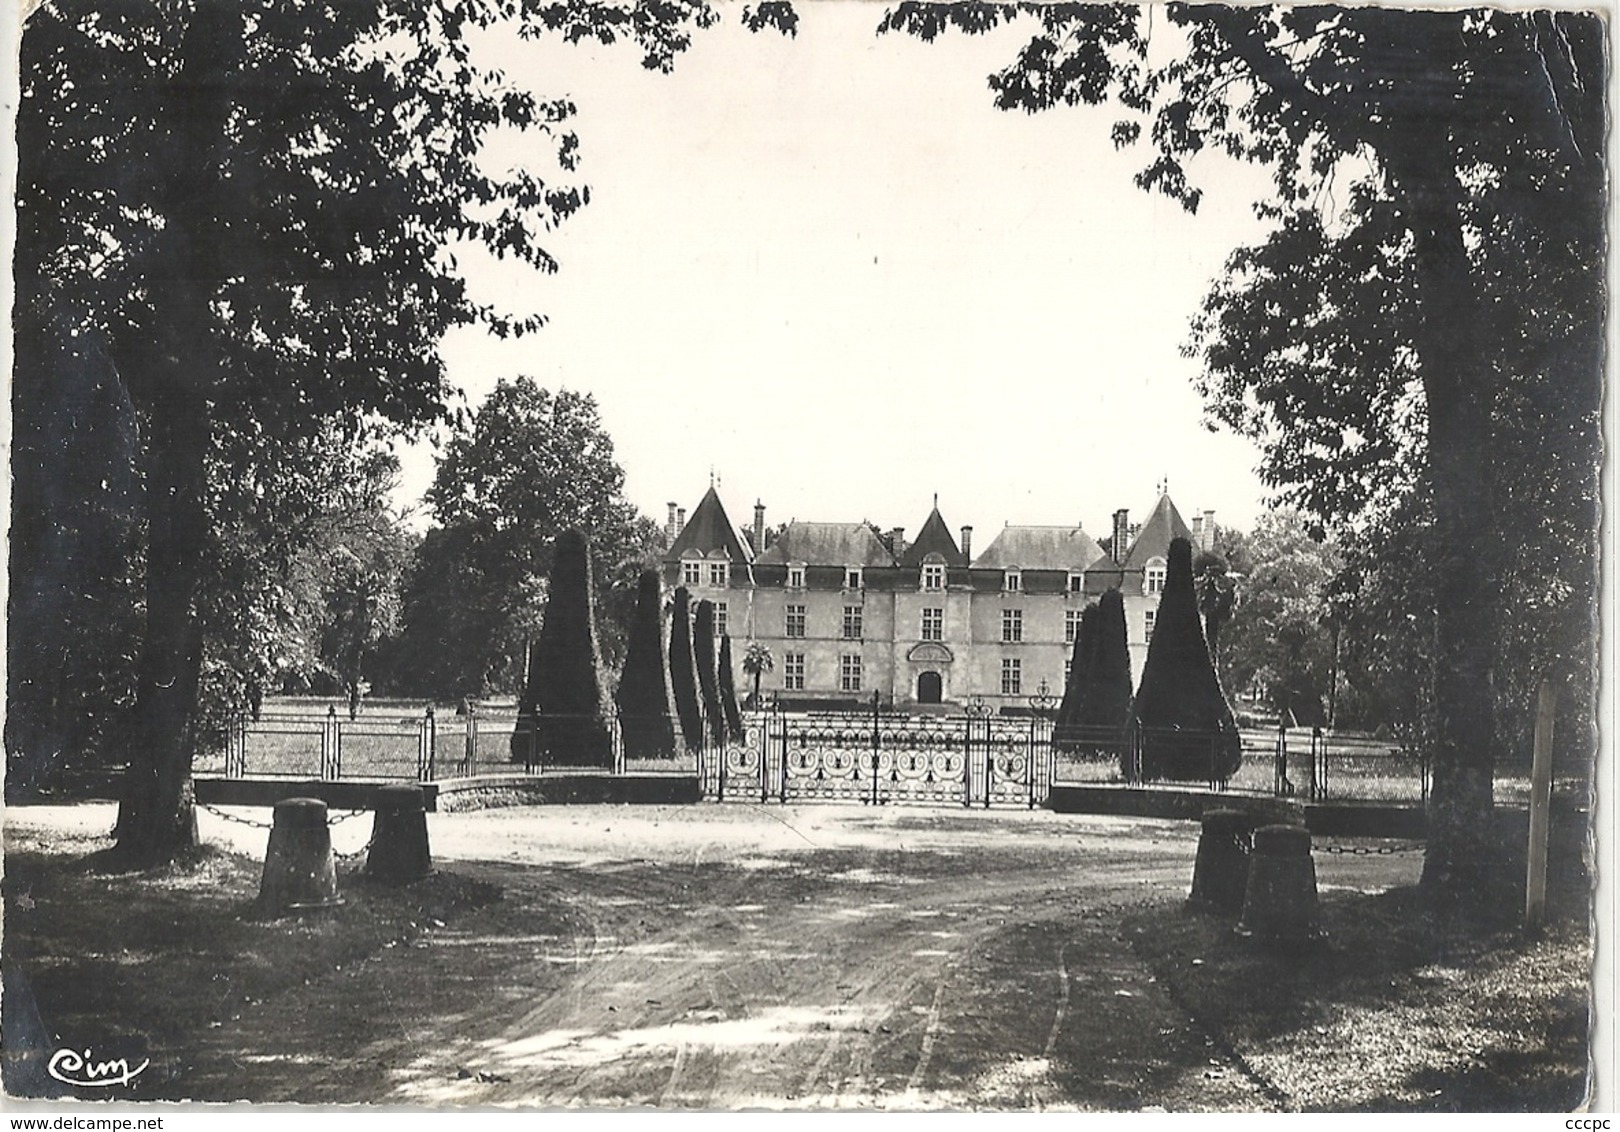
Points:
(1279, 904)
(1221, 872)
(399, 836)
(300, 873)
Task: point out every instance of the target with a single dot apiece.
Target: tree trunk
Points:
(166, 357)
(156, 821)
(1458, 386)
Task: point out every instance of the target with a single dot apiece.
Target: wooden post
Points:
(1535, 884)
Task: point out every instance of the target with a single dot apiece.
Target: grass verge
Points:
(1399, 1008)
(139, 965)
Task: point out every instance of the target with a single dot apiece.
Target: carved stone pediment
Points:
(930, 652)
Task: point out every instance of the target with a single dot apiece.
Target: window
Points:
(933, 576)
(933, 624)
(1012, 676)
(719, 573)
(1068, 670)
(852, 622)
(719, 619)
(1071, 625)
(852, 578)
(795, 577)
(1077, 582)
(1153, 577)
(1012, 625)
(795, 621)
(1147, 625)
(849, 674)
(793, 671)
(691, 573)
(1012, 581)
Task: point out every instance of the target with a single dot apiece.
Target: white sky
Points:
(829, 269)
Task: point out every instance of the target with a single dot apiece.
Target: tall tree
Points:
(1481, 136)
(560, 714)
(728, 692)
(244, 209)
(757, 661)
(708, 675)
(645, 719)
(1188, 730)
(1280, 639)
(529, 464)
(1109, 683)
(683, 675)
(1065, 737)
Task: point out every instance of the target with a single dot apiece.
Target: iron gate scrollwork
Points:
(879, 758)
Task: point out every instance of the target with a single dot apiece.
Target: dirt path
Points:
(724, 957)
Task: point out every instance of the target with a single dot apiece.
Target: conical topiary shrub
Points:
(1188, 733)
(1106, 708)
(682, 672)
(728, 693)
(560, 717)
(1065, 727)
(707, 672)
(645, 723)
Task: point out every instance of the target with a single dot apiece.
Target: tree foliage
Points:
(1107, 701)
(757, 661)
(244, 209)
(1280, 640)
(1188, 731)
(683, 673)
(708, 675)
(646, 721)
(728, 692)
(1064, 735)
(529, 464)
(560, 714)
(1381, 346)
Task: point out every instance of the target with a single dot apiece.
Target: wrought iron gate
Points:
(976, 759)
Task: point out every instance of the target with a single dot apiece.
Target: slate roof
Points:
(827, 544)
(709, 530)
(1153, 540)
(1040, 548)
(934, 538)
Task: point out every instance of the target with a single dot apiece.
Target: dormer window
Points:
(719, 573)
(1012, 581)
(691, 572)
(796, 577)
(1077, 582)
(933, 576)
(1153, 577)
(852, 577)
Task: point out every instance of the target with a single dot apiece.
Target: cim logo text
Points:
(73, 1068)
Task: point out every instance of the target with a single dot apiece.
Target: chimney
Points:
(1209, 530)
(759, 528)
(1122, 526)
(967, 543)
(680, 519)
(897, 541)
(670, 528)
(1198, 532)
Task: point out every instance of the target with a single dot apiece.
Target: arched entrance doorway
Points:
(930, 687)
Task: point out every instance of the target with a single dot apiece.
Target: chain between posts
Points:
(1370, 850)
(339, 820)
(219, 813)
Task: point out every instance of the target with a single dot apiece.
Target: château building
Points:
(847, 609)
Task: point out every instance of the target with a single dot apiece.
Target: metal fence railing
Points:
(977, 758)
(1305, 763)
(426, 744)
